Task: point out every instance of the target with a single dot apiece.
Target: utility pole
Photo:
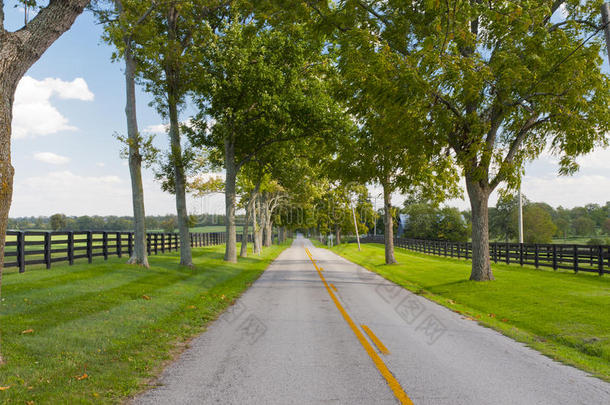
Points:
(356, 227)
(606, 23)
(520, 215)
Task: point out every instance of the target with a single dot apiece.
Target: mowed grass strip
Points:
(563, 315)
(96, 333)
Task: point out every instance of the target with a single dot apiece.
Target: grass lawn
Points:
(564, 315)
(98, 332)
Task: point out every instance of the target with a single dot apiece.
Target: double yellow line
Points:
(399, 393)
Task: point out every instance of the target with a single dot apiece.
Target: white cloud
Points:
(156, 129)
(51, 158)
(100, 164)
(33, 113)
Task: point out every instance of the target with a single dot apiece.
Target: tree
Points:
(58, 222)
(122, 22)
(167, 57)
(169, 225)
(538, 227)
(606, 226)
(19, 50)
(583, 226)
(258, 87)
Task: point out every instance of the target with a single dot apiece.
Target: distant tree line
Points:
(541, 222)
(61, 222)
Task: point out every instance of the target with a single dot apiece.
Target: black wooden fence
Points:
(592, 259)
(27, 248)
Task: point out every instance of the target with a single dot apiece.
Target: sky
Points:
(71, 102)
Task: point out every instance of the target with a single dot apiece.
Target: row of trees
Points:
(61, 222)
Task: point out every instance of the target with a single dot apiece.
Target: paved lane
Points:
(287, 342)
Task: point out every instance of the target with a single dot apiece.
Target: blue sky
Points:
(66, 159)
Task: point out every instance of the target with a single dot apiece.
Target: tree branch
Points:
(1, 16)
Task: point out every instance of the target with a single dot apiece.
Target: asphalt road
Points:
(296, 337)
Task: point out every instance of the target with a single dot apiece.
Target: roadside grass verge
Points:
(98, 332)
(565, 316)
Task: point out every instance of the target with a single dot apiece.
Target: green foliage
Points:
(58, 222)
(425, 221)
(538, 227)
(169, 225)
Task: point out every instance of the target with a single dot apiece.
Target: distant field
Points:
(564, 315)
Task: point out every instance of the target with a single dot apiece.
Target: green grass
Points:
(117, 324)
(563, 315)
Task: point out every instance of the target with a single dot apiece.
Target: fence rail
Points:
(28, 248)
(586, 258)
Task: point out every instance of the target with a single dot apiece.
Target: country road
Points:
(344, 335)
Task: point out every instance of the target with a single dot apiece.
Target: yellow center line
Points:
(399, 393)
(375, 340)
(333, 286)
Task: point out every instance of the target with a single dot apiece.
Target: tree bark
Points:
(244, 239)
(139, 255)
(171, 74)
(257, 231)
(337, 235)
(479, 197)
(230, 197)
(19, 50)
(389, 225)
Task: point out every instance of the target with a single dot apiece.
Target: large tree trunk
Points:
(281, 235)
(139, 255)
(172, 78)
(389, 225)
(479, 197)
(269, 235)
(337, 234)
(19, 50)
(231, 170)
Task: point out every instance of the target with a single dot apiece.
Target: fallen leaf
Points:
(223, 297)
(146, 297)
(27, 331)
(504, 320)
(5, 388)
(95, 394)
(29, 403)
(81, 377)
(492, 315)
(191, 307)
(452, 302)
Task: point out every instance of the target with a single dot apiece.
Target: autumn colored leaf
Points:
(146, 297)
(191, 307)
(82, 377)
(492, 315)
(5, 388)
(27, 331)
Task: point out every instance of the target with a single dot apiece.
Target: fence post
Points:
(156, 239)
(536, 252)
(467, 247)
(575, 258)
(105, 244)
(47, 249)
(21, 251)
(89, 246)
(71, 248)
(507, 253)
(129, 244)
(521, 254)
(162, 243)
(119, 250)
(600, 260)
(554, 257)
(148, 243)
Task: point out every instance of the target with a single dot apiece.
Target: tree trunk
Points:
(269, 235)
(281, 237)
(389, 225)
(337, 235)
(256, 248)
(19, 50)
(173, 96)
(481, 264)
(231, 170)
(139, 255)
(244, 240)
